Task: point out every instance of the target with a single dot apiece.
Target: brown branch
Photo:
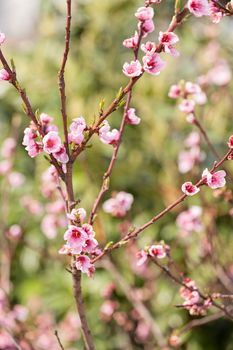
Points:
(62, 86)
(81, 310)
(135, 232)
(200, 322)
(181, 283)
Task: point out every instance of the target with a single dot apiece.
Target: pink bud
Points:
(4, 75)
(189, 189)
(144, 13)
(2, 38)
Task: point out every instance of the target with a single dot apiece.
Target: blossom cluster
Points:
(192, 300)
(151, 61)
(190, 95)
(80, 241)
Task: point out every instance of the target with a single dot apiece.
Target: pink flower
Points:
(2, 38)
(230, 142)
(83, 263)
(77, 214)
(193, 139)
(199, 7)
(174, 91)
(187, 159)
(8, 147)
(45, 118)
(107, 136)
(119, 204)
(88, 229)
(90, 245)
(14, 232)
(158, 251)
(16, 179)
(189, 221)
(4, 75)
(189, 189)
(215, 180)
(187, 106)
(153, 64)
(75, 237)
(61, 155)
(146, 27)
(168, 39)
(149, 47)
(191, 88)
(216, 13)
(132, 118)
(144, 13)
(77, 128)
(52, 142)
(132, 69)
(131, 43)
(141, 257)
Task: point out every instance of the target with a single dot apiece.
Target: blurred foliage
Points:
(147, 162)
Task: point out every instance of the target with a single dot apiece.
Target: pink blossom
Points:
(216, 13)
(187, 106)
(77, 128)
(2, 38)
(215, 180)
(77, 214)
(45, 118)
(153, 64)
(14, 232)
(108, 308)
(5, 166)
(189, 221)
(174, 340)
(189, 189)
(230, 142)
(83, 263)
(149, 47)
(131, 43)
(168, 39)
(132, 69)
(49, 226)
(90, 245)
(61, 155)
(119, 204)
(141, 257)
(131, 117)
(193, 139)
(220, 75)
(146, 27)
(4, 75)
(52, 142)
(199, 7)
(144, 13)
(8, 147)
(88, 229)
(107, 136)
(190, 118)
(16, 179)
(191, 88)
(158, 251)
(187, 159)
(175, 91)
(75, 237)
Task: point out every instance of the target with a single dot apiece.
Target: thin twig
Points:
(62, 85)
(200, 322)
(137, 304)
(58, 340)
(135, 232)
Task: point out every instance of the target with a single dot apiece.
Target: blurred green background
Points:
(146, 167)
